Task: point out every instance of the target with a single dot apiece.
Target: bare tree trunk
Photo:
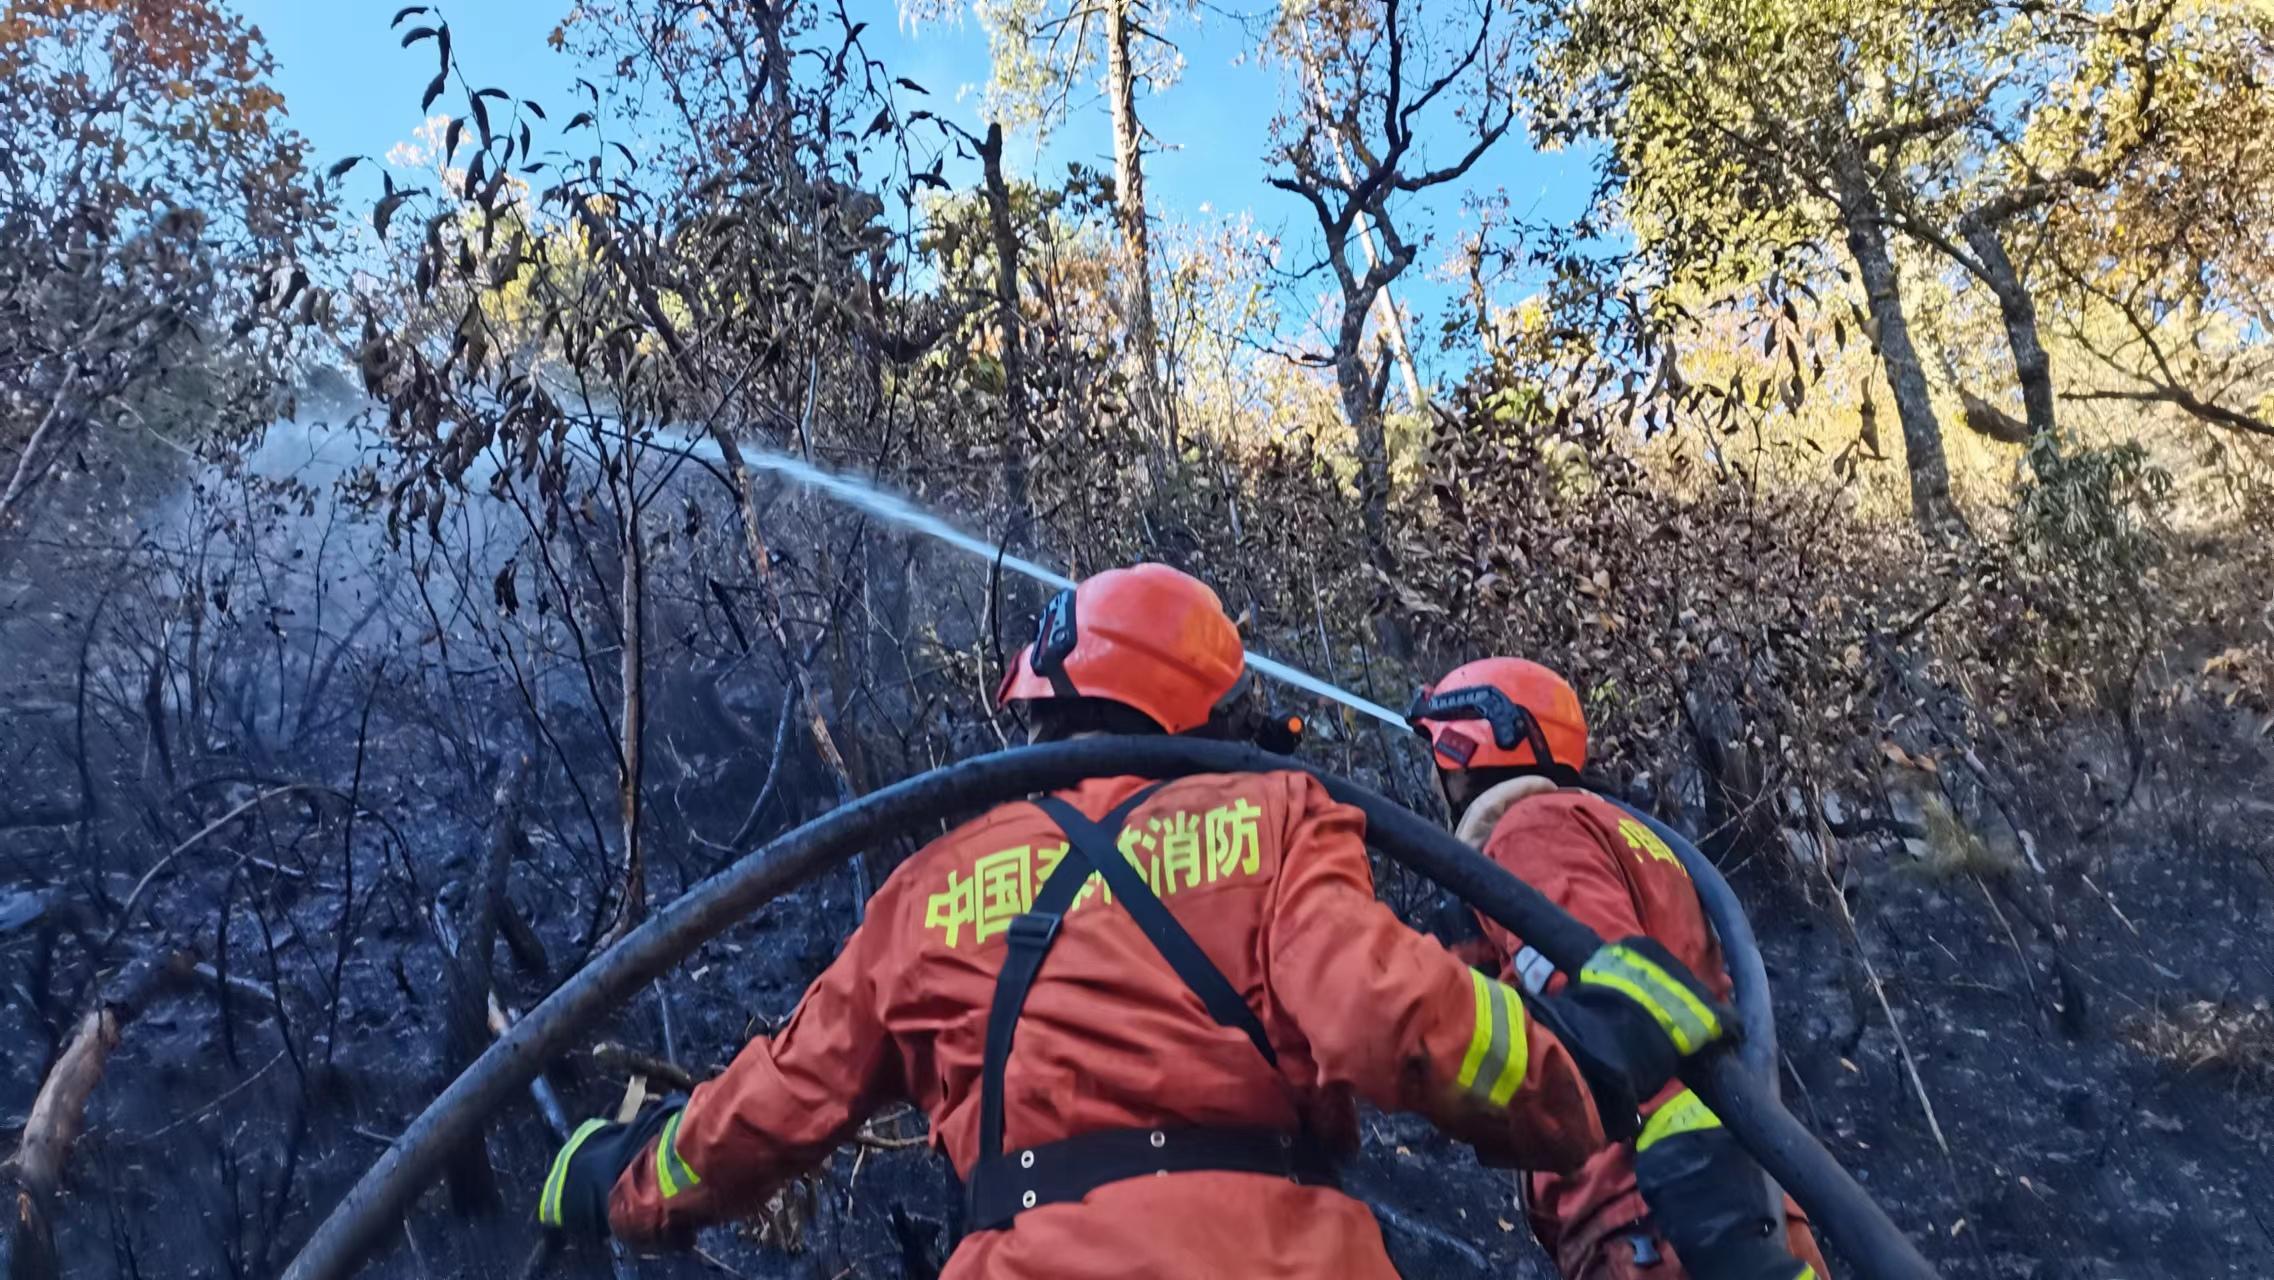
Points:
(1019, 432)
(469, 975)
(738, 479)
(1361, 391)
(1392, 324)
(487, 899)
(1354, 382)
(2032, 367)
(1007, 300)
(33, 464)
(632, 730)
(1864, 221)
(1129, 214)
(471, 1179)
(773, 19)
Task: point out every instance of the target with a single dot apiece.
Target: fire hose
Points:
(1748, 975)
(1743, 1097)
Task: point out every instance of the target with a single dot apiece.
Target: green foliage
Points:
(2095, 512)
(1042, 51)
(1723, 114)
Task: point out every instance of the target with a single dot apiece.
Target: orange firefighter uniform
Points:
(1613, 875)
(1270, 877)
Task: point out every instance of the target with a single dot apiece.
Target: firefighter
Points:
(1509, 739)
(1221, 987)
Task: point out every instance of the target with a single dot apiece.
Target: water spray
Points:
(900, 511)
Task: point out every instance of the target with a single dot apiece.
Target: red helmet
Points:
(1147, 636)
(1502, 713)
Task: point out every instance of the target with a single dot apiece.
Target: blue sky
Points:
(351, 89)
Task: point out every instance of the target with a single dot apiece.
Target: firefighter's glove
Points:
(575, 1199)
(1629, 1019)
(1708, 1199)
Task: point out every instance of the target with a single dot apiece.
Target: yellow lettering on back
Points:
(1006, 888)
(1646, 844)
(954, 908)
(1234, 843)
(1174, 853)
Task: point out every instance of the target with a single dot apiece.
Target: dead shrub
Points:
(2210, 1036)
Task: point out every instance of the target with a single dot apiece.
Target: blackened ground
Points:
(2071, 1155)
(213, 1148)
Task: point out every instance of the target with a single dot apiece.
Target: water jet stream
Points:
(900, 511)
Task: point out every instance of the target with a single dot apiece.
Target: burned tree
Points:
(1357, 155)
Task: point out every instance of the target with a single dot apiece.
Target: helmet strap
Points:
(1055, 635)
(1511, 722)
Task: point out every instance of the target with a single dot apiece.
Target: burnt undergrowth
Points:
(328, 749)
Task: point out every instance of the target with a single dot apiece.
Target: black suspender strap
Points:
(1031, 934)
(1002, 1186)
(1100, 844)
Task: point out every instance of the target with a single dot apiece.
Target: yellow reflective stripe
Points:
(1518, 1049)
(1499, 1053)
(1708, 1022)
(549, 1201)
(672, 1174)
(1806, 1272)
(1687, 1021)
(1618, 982)
(1685, 1112)
(1480, 1035)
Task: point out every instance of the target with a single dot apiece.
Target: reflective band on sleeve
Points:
(1685, 1112)
(1519, 1054)
(672, 1174)
(549, 1201)
(1499, 1051)
(1480, 1031)
(1685, 1018)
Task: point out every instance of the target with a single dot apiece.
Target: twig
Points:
(215, 1105)
(1876, 825)
(617, 1059)
(738, 843)
(260, 991)
(874, 1141)
(142, 886)
(1879, 992)
(663, 1015)
(2020, 957)
(2119, 911)
(1815, 1117)
(711, 1260)
(346, 926)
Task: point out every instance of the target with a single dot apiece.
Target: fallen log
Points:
(59, 1113)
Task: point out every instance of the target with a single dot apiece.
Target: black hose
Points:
(363, 1218)
(1741, 956)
